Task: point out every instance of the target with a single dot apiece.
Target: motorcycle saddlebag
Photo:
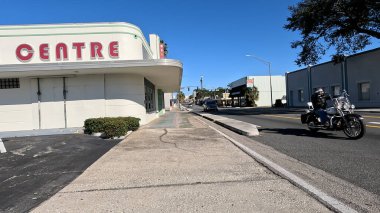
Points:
(304, 117)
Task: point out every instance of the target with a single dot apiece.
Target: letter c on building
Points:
(24, 48)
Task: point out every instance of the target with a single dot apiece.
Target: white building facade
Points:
(270, 88)
(56, 76)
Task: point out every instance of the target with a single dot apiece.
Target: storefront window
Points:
(335, 90)
(364, 91)
(150, 105)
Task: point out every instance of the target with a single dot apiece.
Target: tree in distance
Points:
(214, 93)
(346, 25)
(180, 96)
(251, 95)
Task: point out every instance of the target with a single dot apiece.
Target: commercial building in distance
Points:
(56, 76)
(358, 74)
(270, 88)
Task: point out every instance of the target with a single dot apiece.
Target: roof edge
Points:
(350, 56)
(89, 65)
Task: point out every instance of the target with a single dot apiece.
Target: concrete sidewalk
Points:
(178, 164)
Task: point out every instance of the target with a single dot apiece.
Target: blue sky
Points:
(210, 37)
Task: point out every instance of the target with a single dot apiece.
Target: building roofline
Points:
(350, 56)
(91, 64)
(69, 24)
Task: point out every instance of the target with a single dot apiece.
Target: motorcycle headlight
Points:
(352, 106)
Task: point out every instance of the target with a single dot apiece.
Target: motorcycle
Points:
(341, 116)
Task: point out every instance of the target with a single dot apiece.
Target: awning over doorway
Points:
(238, 91)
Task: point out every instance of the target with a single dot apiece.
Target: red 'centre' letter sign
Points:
(114, 49)
(25, 52)
(24, 48)
(44, 52)
(79, 46)
(96, 50)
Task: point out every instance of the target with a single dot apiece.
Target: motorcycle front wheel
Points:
(355, 128)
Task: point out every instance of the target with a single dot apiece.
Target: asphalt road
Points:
(35, 168)
(357, 161)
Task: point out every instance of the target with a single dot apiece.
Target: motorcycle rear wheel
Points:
(355, 128)
(312, 127)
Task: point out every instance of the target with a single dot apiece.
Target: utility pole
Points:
(201, 82)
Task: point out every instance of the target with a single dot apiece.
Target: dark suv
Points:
(209, 105)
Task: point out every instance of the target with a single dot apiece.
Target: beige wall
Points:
(88, 96)
(16, 111)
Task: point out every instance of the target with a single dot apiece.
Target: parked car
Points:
(210, 105)
(280, 102)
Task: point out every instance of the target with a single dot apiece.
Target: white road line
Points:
(2, 147)
(280, 116)
(322, 197)
(374, 123)
(370, 116)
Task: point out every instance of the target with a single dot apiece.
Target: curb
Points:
(328, 201)
(2, 147)
(253, 131)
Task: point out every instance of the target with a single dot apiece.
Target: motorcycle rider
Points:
(319, 99)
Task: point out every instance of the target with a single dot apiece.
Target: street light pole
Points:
(270, 84)
(270, 75)
(201, 82)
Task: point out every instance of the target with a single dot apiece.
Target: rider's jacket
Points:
(319, 100)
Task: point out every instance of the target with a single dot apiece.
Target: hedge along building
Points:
(56, 76)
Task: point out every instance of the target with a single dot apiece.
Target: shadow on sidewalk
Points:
(257, 111)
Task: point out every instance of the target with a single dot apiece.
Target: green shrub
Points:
(132, 123)
(111, 127)
(92, 125)
(114, 127)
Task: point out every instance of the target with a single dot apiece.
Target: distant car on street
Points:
(210, 105)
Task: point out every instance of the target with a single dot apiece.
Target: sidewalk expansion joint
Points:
(172, 185)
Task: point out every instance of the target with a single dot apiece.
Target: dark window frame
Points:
(150, 96)
(9, 83)
(333, 90)
(360, 92)
(301, 95)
